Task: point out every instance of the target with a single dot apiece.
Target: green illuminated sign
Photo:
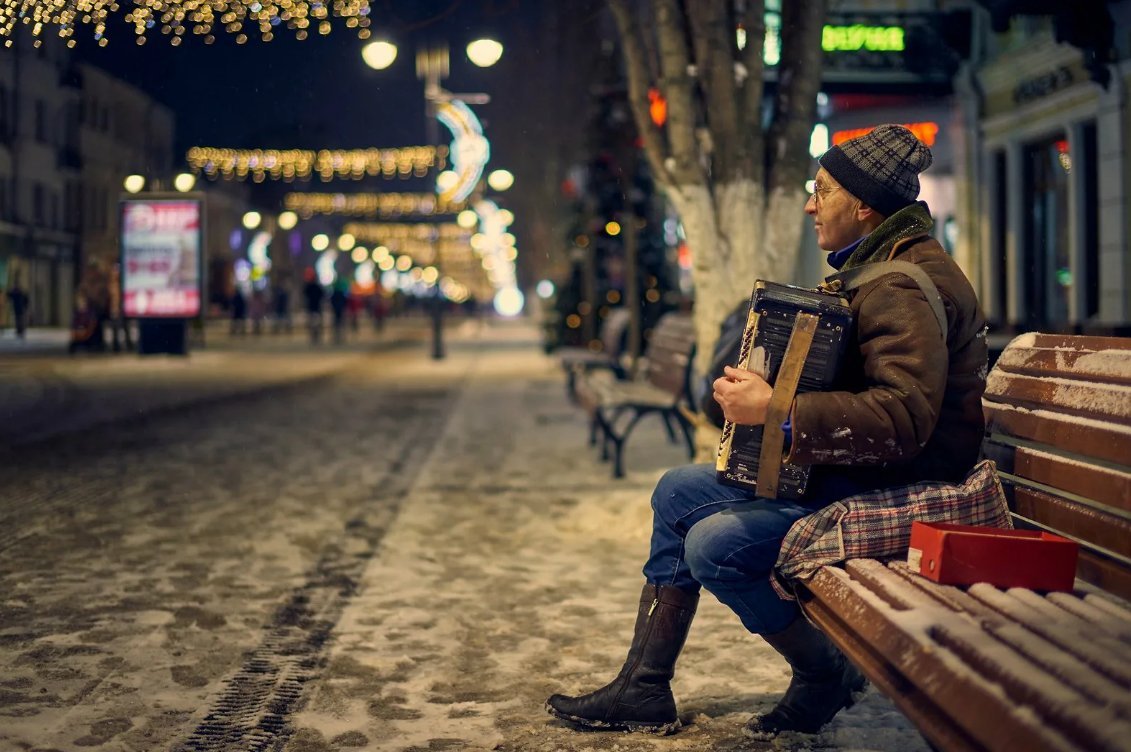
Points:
(860, 37)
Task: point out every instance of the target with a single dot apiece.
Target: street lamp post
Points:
(432, 66)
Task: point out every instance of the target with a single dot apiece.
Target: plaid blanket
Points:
(877, 524)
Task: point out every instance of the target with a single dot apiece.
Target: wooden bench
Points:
(576, 361)
(981, 668)
(661, 388)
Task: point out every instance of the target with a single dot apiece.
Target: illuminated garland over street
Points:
(292, 164)
(175, 18)
(386, 232)
(369, 204)
(422, 240)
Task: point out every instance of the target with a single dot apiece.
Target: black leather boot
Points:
(640, 698)
(823, 682)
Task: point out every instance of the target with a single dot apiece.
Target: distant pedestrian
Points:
(257, 310)
(380, 309)
(18, 297)
(239, 312)
(354, 306)
(281, 310)
(119, 326)
(339, 301)
(313, 294)
(86, 327)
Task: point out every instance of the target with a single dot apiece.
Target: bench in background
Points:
(980, 668)
(576, 361)
(661, 388)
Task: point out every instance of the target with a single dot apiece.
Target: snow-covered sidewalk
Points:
(512, 572)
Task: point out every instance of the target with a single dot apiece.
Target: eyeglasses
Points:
(821, 192)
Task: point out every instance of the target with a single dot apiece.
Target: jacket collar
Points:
(911, 222)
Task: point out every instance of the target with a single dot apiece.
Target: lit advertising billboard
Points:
(161, 257)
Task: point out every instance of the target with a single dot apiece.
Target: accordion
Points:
(800, 336)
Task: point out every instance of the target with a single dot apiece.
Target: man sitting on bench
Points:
(909, 411)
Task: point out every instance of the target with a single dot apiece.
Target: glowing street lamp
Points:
(287, 220)
(133, 183)
(467, 219)
(184, 182)
(500, 180)
(379, 55)
(252, 219)
(484, 52)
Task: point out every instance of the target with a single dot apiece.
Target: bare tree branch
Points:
(676, 85)
(799, 79)
(636, 65)
(712, 32)
(754, 22)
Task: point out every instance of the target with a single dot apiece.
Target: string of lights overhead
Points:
(370, 204)
(328, 164)
(384, 232)
(176, 18)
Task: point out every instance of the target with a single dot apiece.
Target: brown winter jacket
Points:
(909, 409)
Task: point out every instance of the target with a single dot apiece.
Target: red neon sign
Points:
(657, 107)
(925, 132)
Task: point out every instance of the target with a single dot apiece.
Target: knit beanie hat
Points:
(881, 168)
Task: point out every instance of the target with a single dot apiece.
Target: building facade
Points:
(39, 179)
(122, 131)
(1049, 175)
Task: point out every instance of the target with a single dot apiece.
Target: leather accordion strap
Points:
(862, 275)
(785, 388)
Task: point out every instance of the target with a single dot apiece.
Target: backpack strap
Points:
(862, 275)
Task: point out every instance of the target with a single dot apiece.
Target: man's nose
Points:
(811, 204)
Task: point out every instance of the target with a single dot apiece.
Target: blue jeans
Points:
(726, 539)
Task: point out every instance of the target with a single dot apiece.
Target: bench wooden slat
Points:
(1102, 359)
(1104, 441)
(1097, 688)
(1112, 620)
(1087, 616)
(1085, 718)
(1072, 635)
(1098, 401)
(1104, 573)
(1072, 342)
(950, 596)
(1066, 474)
(1074, 520)
(1072, 699)
(874, 635)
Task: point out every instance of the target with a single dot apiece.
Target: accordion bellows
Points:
(802, 335)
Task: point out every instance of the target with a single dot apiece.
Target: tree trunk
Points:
(742, 222)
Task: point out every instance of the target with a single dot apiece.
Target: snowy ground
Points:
(410, 556)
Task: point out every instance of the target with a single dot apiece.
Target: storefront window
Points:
(1091, 204)
(999, 224)
(1047, 273)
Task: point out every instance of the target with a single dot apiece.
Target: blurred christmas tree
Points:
(619, 251)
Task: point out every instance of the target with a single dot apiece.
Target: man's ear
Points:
(865, 213)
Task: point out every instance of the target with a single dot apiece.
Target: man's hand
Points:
(743, 395)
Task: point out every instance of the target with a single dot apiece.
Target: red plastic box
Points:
(965, 554)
